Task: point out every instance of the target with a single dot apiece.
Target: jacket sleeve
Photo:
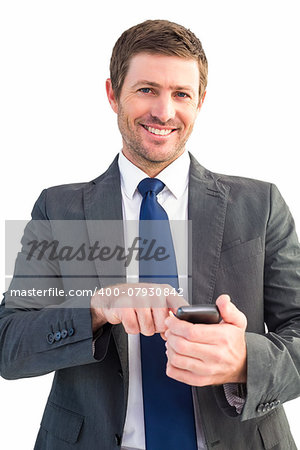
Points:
(273, 358)
(36, 339)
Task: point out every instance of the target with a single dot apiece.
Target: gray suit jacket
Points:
(243, 243)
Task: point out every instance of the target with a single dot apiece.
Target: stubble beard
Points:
(133, 146)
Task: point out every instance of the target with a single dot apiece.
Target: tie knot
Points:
(150, 184)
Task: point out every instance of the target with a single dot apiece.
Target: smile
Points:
(158, 132)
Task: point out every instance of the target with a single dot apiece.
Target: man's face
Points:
(157, 108)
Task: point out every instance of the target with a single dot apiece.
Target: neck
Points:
(151, 168)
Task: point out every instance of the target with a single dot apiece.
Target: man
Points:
(242, 244)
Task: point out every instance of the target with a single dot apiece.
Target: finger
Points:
(188, 377)
(177, 326)
(112, 315)
(128, 319)
(163, 336)
(145, 320)
(159, 316)
(185, 362)
(204, 352)
(174, 300)
(211, 334)
(230, 313)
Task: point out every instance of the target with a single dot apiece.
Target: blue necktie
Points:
(168, 404)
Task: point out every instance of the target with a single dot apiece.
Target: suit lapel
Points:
(103, 212)
(207, 210)
(103, 202)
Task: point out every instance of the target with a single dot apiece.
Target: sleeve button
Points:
(50, 338)
(71, 331)
(64, 333)
(57, 335)
(260, 408)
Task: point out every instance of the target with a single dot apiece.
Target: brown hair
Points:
(155, 36)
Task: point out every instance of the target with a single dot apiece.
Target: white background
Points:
(57, 126)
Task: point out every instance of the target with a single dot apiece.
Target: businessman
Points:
(128, 373)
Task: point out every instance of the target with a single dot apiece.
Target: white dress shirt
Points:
(174, 199)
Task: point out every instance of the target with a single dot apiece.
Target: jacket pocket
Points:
(240, 252)
(62, 423)
(275, 431)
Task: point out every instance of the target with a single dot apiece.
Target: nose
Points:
(164, 108)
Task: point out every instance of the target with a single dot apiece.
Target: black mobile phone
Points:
(199, 314)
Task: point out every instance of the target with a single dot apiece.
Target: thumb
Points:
(230, 313)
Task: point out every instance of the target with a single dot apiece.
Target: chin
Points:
(160, 156)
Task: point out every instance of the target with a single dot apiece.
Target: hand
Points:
(202, 355)
(143, 312)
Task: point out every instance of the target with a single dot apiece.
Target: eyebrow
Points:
(157, 85)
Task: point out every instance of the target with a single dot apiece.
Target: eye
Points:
(182, 95)
(145, 90)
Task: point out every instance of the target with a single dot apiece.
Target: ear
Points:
(201, 101)
(111, 96)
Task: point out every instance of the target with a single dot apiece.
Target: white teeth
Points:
(156, 131)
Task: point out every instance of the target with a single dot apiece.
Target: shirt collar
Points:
(131, 175)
